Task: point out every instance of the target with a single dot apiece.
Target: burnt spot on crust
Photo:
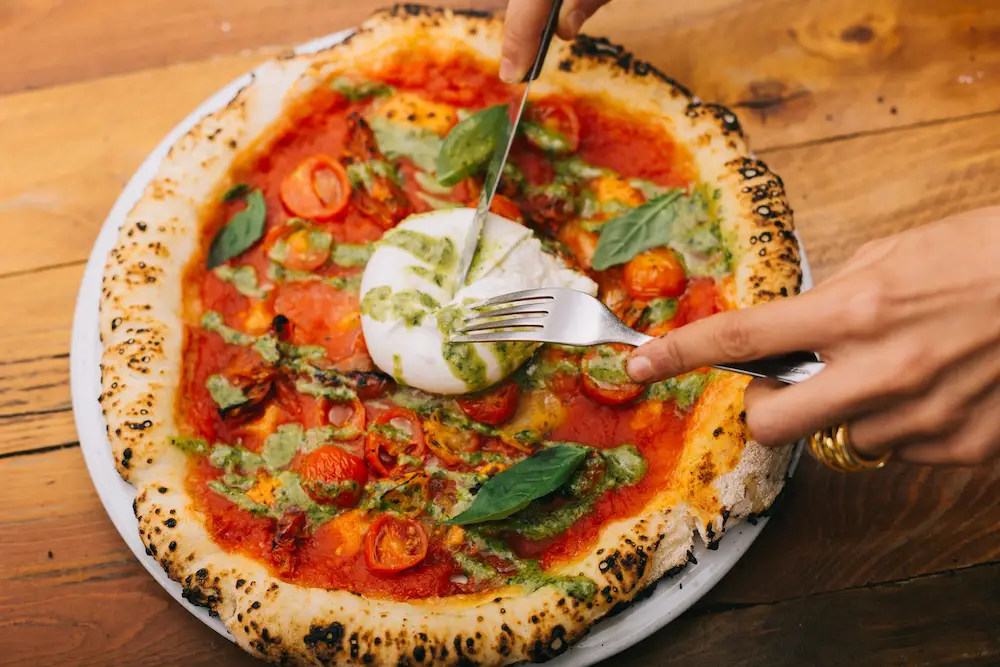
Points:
(601, 50)
(198, 592)
(325, 641)
(413, 9)
(546, 648)
(726, 119)
(642, 594)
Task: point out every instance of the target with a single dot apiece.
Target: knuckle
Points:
(936, 418)
(908, 372)
(865, 311)
(734, 339)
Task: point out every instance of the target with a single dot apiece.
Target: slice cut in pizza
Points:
(313, 459)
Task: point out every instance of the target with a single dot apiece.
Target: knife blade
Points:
(504, 143)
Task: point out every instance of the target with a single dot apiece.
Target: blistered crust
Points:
(722, 477)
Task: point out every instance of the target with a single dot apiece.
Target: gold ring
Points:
(833, 448)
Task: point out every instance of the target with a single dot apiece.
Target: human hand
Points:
(909, 330)
(523, 29)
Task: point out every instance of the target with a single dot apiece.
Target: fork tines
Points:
(509, 317)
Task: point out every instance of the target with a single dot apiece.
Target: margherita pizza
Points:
(313, 459)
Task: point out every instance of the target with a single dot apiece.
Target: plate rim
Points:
(609, 636)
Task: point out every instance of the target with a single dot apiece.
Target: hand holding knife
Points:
(504, 143)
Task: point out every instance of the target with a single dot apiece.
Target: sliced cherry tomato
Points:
(559, 118)
(332, 476)
(701, 300)
(348, 417)
(409, 496)
(604, 376)
(394, 544)
(318, 189)
(493, 406)
(655, 273)
(302, 254)
(369, 384)
(378, 196)
(581, 243)
(393, 434)
(447, 442)
(255, 379)
(288, 533)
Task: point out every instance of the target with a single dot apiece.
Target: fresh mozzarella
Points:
(409, 302)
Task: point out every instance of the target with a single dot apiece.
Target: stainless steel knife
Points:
(504, 143)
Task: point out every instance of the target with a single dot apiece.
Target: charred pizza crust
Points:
(721, 478)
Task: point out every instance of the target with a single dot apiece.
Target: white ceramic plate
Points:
(669, 600)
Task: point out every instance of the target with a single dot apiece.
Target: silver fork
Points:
(569, 317)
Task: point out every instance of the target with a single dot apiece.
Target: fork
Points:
(570, 317)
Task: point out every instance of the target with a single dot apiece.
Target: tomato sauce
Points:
(320, 314)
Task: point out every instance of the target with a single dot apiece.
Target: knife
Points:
(504, 143)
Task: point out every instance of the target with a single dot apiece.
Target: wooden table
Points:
(880, 115)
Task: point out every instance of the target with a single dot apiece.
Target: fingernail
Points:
(639, 369)
(508, 73)
(575, 21)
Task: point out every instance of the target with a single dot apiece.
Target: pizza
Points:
(317, 464)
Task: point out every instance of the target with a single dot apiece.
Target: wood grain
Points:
(798, 70)
(68, 188)
(34, 358)
(949, 619)
(834, 531)
(50, 42)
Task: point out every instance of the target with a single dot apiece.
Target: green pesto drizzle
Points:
(462, 358)
(411, 306)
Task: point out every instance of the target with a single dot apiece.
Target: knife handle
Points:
(543, 49)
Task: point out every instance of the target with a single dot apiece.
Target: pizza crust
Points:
(142, 330)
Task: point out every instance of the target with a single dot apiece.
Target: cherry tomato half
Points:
(348, 417)
(302, 254)
(494, 406)
(318, 189)
(604, 376)
(394, 433)
(655, 273)
(447, 442)
(332, 476)
(557, 117)
(394, 544)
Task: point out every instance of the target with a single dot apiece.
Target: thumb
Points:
(522, 36)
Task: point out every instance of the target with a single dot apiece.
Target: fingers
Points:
(801, 323)
(779, 415)
(575, 14)
(523, 29)
(524, 26)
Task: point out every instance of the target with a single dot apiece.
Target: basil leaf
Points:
(640, 229)
(242, 231)
(469, 146)
(512, 490)
(235, 192)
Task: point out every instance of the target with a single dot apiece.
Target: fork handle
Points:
(789, 368)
